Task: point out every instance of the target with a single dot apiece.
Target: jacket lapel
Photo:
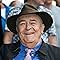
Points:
(42, 52)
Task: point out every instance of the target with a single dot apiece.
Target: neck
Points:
(48, 6)
(32, 45)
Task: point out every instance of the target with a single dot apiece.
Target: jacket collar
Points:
(42, 52)
(43, 49)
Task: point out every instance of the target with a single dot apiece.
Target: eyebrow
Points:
(24, 20)
(20, 21)
(33, 20)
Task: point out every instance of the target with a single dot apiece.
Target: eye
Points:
(22, 23)
(33, 23)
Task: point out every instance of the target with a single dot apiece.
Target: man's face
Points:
(29, 29)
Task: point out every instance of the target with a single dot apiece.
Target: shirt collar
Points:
(42, 48)
(36, 48)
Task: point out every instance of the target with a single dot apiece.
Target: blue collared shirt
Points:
(22, 52)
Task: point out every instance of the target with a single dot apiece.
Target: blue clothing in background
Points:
(1, 32)
(3, 18)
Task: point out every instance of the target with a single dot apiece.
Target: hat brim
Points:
(46, 18)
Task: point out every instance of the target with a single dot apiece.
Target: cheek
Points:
(39, 29)
(21, 29)
(36, 28)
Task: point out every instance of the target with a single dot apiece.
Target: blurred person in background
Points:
(4, 11)
(57, 3)
(8, 34)
(1, 32)
(56, 12)
(16, 3)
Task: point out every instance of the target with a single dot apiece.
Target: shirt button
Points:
(32, 54)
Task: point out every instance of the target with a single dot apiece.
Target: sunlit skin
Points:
(58, 2)
(48, 2)
(30, 28)
(1, 5)
(39, 1)
(36, 3)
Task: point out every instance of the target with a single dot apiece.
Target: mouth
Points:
(29, 33)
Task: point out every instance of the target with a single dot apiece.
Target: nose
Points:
(28, 26)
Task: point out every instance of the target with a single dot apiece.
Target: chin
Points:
(29, 41)
(30, 45)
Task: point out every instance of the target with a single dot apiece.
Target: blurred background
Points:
(7, 2)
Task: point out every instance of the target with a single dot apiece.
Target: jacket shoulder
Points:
(54, 51)
(8, 51)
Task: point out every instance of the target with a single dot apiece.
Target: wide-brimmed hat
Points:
(27, 9)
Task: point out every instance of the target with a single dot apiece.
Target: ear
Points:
(42, 28)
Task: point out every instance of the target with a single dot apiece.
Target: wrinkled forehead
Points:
(29, 17)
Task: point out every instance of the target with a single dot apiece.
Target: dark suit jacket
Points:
(46, 52)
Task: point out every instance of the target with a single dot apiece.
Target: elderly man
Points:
(49, 36)
(29, 25)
